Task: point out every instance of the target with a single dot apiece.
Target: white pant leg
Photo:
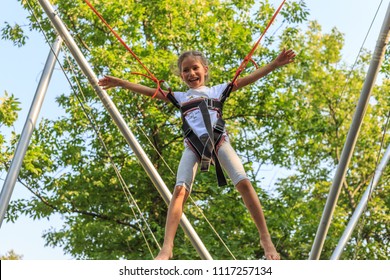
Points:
(187, 169)
(231, 163)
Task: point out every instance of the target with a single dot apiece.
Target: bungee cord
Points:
(129, 197)
(150, 74)
(248, 57)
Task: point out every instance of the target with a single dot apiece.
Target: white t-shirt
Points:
(194, 117)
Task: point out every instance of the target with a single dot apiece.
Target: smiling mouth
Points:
(193, 80)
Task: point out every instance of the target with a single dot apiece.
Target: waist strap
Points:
(205, 146)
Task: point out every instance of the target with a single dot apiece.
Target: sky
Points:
(22, 68)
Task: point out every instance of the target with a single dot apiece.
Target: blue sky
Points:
(22, 67)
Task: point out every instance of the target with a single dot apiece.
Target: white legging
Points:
(227, 156)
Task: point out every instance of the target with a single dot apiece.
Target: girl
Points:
(193, 69)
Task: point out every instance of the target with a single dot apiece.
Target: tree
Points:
(329, 103)
(11, 255)
(9, 107)
(296, 118)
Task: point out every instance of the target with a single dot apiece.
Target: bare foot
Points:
(165, 254)
(269, 248)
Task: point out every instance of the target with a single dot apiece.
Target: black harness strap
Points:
(173, 99)
(207, 139)
(206, 145)
(226, 92)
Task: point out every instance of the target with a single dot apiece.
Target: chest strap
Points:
(212, 104)
(205, 146)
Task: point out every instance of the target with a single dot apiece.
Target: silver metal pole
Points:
(121, 124)
(25, 137)
(349, 145)
(361, 207)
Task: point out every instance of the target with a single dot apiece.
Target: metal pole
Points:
(349, 145)
(25, 137)
(361, 207)
(121, 124)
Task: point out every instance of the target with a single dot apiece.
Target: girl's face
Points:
(193, 72)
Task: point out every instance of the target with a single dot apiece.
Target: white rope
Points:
(128, 194)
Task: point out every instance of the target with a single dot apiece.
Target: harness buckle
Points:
(219, 127)
(205, 164)
(210, 103)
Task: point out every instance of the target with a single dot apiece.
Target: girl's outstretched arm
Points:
(108, 82)
(285, 57)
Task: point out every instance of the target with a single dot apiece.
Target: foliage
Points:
(296, 118)
(14, 33)
(9, 107)
(11, 255)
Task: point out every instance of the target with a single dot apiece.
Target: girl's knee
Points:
(244, 185)
(180, 191)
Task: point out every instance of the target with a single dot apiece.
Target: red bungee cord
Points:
(248, 58)
(150, 74)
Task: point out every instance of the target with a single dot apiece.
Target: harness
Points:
(205, 146)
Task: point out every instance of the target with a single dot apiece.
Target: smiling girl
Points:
(193, 67)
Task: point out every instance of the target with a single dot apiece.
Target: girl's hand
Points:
(109, 82)
(285, 57)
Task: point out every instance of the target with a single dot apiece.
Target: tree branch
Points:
(74, 209)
